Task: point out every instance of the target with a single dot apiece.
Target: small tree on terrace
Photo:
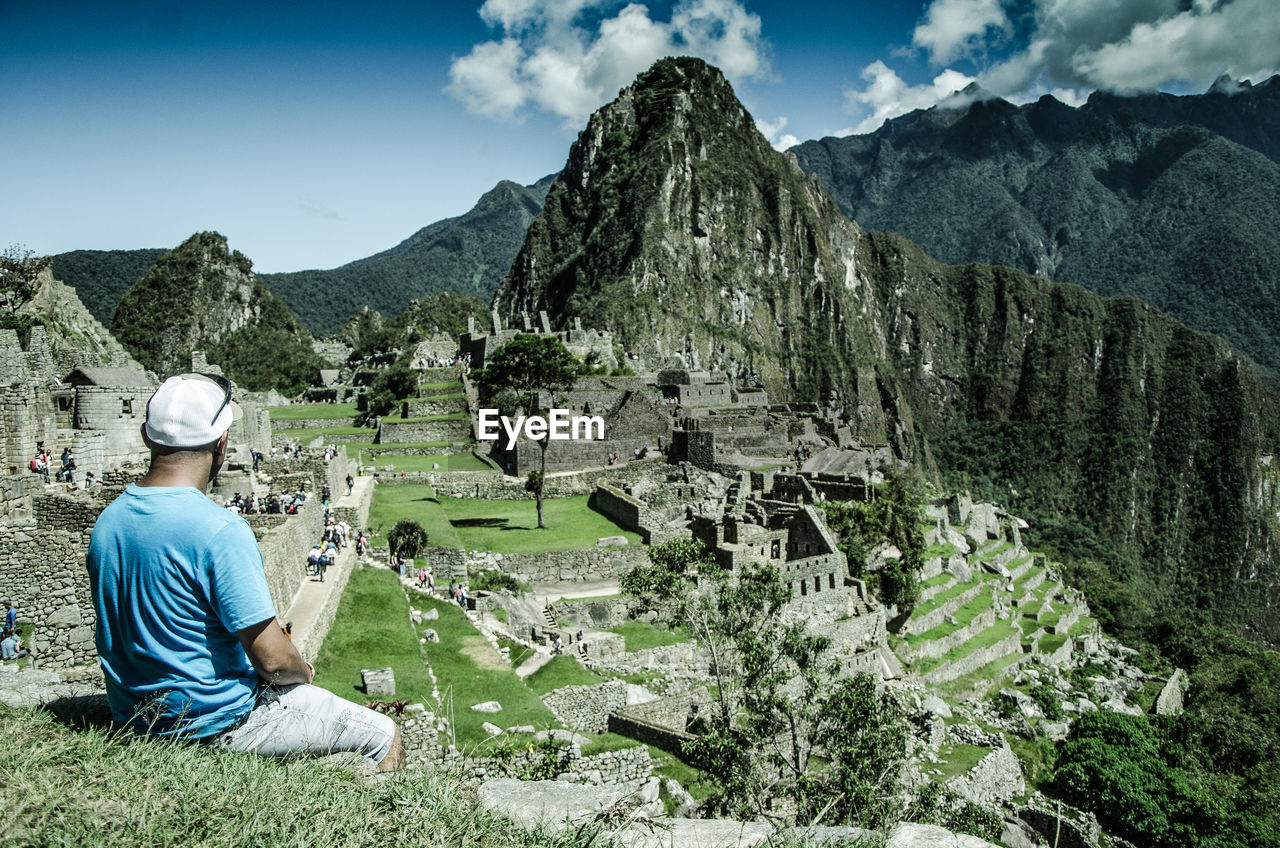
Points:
(406, 538)
(20, 272)
(528, 366)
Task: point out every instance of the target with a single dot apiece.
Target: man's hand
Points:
(273, 656)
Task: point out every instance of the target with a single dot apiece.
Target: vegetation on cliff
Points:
(1171, 199)
(676, 225)
(204, 296)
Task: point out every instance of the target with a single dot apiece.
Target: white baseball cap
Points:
(191, 410)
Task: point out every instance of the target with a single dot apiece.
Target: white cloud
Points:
(887, 95)
(773, 131)
(1074, 46)
(569, 57)
(954, 28)
(1194, 47)
(487, 79)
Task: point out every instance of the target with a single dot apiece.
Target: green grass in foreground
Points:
(312, 411)
(95, 788)
(392, 503)
(639, 635)
(511, 527)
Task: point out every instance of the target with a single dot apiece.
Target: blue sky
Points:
(318, 133)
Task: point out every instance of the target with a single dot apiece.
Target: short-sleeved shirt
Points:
(174, 577)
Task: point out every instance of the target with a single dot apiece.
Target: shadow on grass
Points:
(495, 523)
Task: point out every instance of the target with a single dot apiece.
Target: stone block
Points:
(487, 707)
(612, 542)
(378, 681)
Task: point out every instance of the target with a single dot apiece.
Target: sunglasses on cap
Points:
(219, 381)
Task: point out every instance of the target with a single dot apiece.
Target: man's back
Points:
(174, 577)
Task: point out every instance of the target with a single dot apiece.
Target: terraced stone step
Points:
(980, 653)
(925, 621)
(936, 586)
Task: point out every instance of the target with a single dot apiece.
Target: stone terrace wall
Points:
(42, 571)
(284, 551)
(587, 708)
(661, 723)
(591, 564)
(440, 430)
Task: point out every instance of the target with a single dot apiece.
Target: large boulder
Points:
(910, 835)
(1170, 700)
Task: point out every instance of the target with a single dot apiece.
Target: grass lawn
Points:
(418, 462)
(448, 416)
(312, 411)
(639, 635)
(1000, 630)
(510, 527)
(392, 503)
(306, 434)
(372, 630)
(959, 759)
(562, 671)
(470, 671)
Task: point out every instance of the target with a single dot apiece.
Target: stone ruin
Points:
(588, 345)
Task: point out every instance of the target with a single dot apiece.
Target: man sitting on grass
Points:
(187, 633)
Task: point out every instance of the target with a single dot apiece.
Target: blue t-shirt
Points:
(174, 576)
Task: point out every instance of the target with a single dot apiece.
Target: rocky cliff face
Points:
(677, 227)
(1166, 198)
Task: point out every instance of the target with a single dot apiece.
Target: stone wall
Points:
(118, 413)
(940, 647)
(661, 723)
(391, 430)
(596, 614)
(284, 425)
(284, 551)
(42, 571)
(918, 624)
(996, 778)
(588, 565)
(587, 708)
(959, 668)
(428, 406)
(27, 416)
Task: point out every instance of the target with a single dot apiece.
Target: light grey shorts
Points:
(311, 721)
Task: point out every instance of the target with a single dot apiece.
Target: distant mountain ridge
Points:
(467, 255)
(464, 255)
(1172, 199)
(676, 226)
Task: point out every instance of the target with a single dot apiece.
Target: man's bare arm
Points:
(273, 656)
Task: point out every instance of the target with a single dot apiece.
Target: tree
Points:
(406, 539)
(785, 720)
(20, 271)
(529, 366)
(894, 518)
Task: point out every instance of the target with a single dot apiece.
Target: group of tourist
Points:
(42, 463)
(324, 553)
(461, 359)
(11, 637)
